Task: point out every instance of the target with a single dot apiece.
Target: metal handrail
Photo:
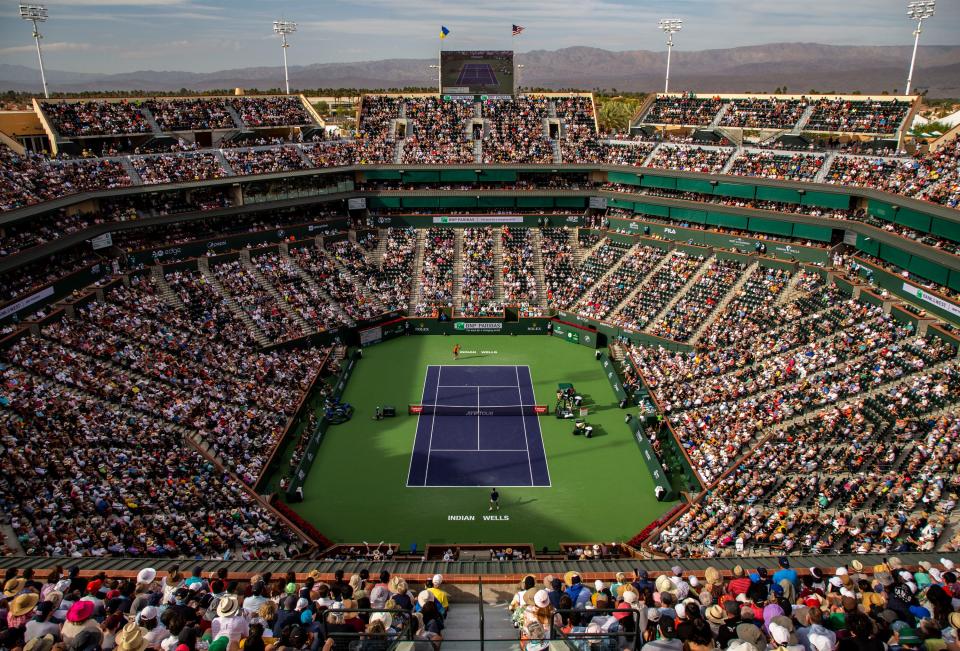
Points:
(480, 594)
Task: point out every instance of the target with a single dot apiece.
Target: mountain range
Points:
(800, 67)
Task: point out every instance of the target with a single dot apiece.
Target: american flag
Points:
(517, 29)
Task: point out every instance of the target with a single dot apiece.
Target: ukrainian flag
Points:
(443, 32)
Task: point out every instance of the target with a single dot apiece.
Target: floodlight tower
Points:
(918, 11)
(37, 14)
(284, 27)
(671, 26)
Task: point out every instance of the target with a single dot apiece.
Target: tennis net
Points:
(474, 410)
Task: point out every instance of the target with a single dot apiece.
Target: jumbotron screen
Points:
(480, 72)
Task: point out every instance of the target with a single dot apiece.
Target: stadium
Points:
(479, 372)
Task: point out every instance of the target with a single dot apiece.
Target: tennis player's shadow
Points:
(523, 502)
(470, 356)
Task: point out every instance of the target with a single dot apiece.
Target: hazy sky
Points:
(207, 35)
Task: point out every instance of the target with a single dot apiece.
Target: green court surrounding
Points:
(356, 489)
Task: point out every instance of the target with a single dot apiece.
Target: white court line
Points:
(451, 450)
(526, 440)
(417, 431)
(476, 406)
(478, 418)
(543, 443)
(479, 386)
(432, 423)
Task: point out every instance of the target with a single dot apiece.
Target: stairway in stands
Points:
(498, 265)
(693, 280)
(732, 293)
(416, 274)
(166, 293)
(232, 305)
(284, 306)
(639, 285)
(375, 257)
(537, 242)
(457, 270)
(315, 286)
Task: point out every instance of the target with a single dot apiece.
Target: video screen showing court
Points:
(484, 72)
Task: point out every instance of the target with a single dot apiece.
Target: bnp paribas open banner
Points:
(476, 327)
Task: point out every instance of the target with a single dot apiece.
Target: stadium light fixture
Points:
(918, 11)
(520, 67)
(37, 14)
(436, 66)
(670, 26)
(284, 27)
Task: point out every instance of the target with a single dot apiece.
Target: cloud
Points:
(120, 3)
(52, 47)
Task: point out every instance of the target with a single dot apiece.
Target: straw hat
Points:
(716, 614)
(712, 576)
(228, 606)
(131, 638)
(44, 643)
(24, 603)
(12, 587)
(568, 577)
(664, 584)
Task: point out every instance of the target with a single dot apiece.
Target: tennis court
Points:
(478, 74)
(477, 426)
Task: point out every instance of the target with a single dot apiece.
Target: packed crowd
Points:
(607, 294)
(436, 288)
(691, 158)
(763, 113)
(376, 131)
(599, 258)
(516, 131)
(787, 166)
(861, 116)
(265, 161)
(437, 131)
(173, 168)
(700, 301)
(478, 291)
(73, 119)
(518, 272)
(683, 109)
(274, 111)
(191, 114)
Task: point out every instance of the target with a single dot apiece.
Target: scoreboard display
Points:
(476, 72)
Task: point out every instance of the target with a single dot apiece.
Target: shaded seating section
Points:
(683, 110)
(271, 111)
(763, 113)
(200, 114)
(96, 118)
(174, 168)
(857, 116)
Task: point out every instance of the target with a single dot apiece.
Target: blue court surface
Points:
(480, 74)
(474, 448)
